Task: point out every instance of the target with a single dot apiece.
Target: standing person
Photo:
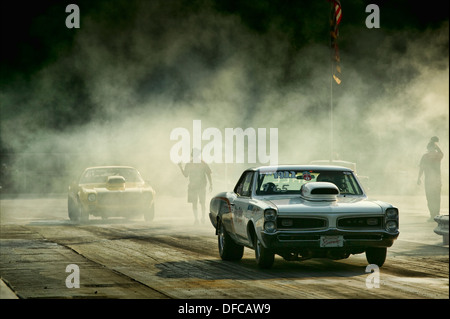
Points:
(430, 166)
(198, 173)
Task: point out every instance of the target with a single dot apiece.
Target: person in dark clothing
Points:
(430, 166)
(198, 173)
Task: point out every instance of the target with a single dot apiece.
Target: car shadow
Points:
(93, 222)
(419, 250)
(246, 269)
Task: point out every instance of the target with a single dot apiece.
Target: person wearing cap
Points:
(198, 173)
(430, 166)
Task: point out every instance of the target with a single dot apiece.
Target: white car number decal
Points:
(284, 174)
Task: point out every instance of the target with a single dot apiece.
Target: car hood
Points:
(350, 204)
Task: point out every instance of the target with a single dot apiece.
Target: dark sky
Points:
(34, 35)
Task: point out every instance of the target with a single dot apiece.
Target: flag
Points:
(336, 17)
(338, 80)
(337, 12)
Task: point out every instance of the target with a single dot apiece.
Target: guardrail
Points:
(442, 227)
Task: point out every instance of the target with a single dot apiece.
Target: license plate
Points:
(331, 241)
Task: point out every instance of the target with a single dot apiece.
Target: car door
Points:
(241, 203)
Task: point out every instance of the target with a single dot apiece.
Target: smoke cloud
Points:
(135, 72)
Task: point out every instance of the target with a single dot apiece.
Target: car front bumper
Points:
(351, 240)
(119, 203)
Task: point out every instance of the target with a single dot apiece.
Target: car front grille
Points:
(360, 222)
(122, 199)
(301, 223)
(362, 237)
(299, 237)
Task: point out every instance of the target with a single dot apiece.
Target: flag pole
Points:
(332, 23)
(335, 19)
(331, 114)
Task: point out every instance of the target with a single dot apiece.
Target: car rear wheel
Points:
(376, 255)
(264, 257)
(228, 249)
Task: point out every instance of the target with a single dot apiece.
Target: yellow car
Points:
(110, 191)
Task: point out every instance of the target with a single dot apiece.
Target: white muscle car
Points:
(301, 212)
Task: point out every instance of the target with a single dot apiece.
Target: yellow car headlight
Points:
(92, 197)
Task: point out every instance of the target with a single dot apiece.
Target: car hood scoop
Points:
(115, 182)
(319, 191)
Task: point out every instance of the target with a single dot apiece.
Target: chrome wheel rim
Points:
(221, 239)
(257, 249)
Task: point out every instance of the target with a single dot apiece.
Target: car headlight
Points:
(270, 214)
(392, 213)
(269, 226)
(92, 197)
(391, 226)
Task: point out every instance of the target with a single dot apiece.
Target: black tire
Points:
(83, 215)
(149, 214)
(264, 257)
(228, 249)
(376, 255)
(72, 210)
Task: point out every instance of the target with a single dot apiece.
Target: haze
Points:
(127, 80)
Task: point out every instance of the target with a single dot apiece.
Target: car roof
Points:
(302, 167)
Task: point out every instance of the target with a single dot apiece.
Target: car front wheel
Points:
(83, 215)
(228, 249)
(149, 214)
(72, 210)
(264, 257)
(376, 255)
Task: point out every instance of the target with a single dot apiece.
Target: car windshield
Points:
(285, 182)
(100, 175)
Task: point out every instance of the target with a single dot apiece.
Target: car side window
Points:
(244, 186)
